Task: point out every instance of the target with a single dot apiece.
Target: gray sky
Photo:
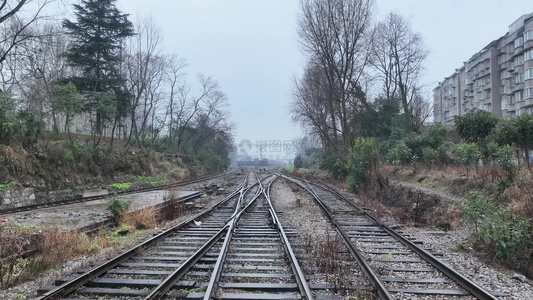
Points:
(250, 46)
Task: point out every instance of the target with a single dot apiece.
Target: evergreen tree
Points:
(97, 37)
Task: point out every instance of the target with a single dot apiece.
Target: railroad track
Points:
(118, 193)
(131, 274)
(238, 251)
(395, 263)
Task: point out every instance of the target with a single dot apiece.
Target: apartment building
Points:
(498, 79)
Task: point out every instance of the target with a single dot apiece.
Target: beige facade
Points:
(498, 79)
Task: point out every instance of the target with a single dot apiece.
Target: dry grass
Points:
(178, 176)
(491, 173)
(143, 218)
(171, 209)
(25, 252)
(17, 160)
(520, 194)
(328, 250)
(370, 195)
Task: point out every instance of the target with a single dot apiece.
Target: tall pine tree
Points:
(97, 37)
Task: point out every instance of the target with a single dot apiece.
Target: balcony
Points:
(517, 87)
(528, 44)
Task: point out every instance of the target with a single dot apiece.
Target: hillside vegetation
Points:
(85, 101)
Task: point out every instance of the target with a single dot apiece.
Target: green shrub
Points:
(334, 166)
(399, 153)
(362, 157)
(467, 153)
(497, 230)
(504, 158)
(476, 207)
(118, 207)
(430, 155)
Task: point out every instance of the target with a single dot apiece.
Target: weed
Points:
(288, 168)
(118, 207)
(6, 185)
(125, 288)
(120, 186)
(171, 209)
(499, 231)
(387, 255)
(45, 245)
(18, 296)
(140, 218)
(460, 246)
(327, 250)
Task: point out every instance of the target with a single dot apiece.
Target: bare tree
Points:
(176, 105)
(45, 66)
(144, 67)
(212, 121)
(310, 106)
(15, 28)
(31, 70)
(335, 35)
(190, 106)
(398, 54)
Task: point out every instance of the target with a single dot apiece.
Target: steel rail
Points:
(72, 285)
(382, 291)
(464, 282)
(119, 193)
(305, 290)
(215, 275)
(167, 284)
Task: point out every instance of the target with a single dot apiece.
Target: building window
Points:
(516, 25)
(528, 93)
(517, 61)
(519, 42)
(527, 110)
(528, 35)
(528, 74)
(504, 89)
(519, 78)
(517, 96)
(528, 55)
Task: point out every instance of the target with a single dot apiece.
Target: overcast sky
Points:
(250, 47)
